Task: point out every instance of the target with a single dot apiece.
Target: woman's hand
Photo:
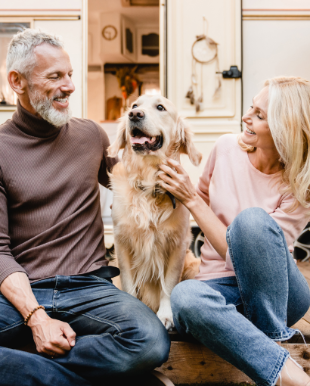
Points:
(177, 182)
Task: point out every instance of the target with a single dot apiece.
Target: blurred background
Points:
(209, 57)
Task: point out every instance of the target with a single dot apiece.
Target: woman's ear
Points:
(120, 140)
(186, 144)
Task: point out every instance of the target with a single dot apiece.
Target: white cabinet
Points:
(118, 38)
(148, 45)
(122, 41)
(181, 22)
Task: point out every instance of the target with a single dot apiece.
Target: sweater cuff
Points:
(8, 271)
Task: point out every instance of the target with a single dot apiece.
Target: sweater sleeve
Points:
(107, 162)
(202, 187)
(8, 265)
(292, 223)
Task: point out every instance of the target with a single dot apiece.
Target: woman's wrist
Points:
(195, 201)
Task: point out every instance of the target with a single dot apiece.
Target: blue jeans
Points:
(117, 335)
(240, 318)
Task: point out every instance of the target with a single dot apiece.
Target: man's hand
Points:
(51, 336)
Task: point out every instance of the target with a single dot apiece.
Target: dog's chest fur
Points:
(146, 223)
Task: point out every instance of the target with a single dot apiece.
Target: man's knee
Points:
(149, 340)
(156, 348)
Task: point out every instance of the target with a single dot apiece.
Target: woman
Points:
(251, 202)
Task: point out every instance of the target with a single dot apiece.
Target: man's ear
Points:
(120, 140)
(186, 144)
(17, 82)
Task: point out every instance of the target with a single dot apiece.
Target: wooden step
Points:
(191, 363)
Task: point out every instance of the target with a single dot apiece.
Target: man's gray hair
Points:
(20, 55)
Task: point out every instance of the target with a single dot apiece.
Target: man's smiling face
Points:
(50, 84)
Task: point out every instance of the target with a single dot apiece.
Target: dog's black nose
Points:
(136, 115)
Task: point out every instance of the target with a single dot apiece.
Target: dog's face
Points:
(152, 128)
(150, 124)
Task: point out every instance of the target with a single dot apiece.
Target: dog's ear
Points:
(120, 140)
(186, 144)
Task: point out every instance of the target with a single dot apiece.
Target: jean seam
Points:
(239, 285)
(120, 331)
(92, 336)
(238, 282)
(16, 324)
(284, 355)
(100, 279)
(145, 352)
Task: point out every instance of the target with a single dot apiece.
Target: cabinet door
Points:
(181, 21)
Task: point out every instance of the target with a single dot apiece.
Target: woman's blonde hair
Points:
(288, 118)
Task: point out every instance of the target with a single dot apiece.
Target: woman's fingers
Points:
(178, 167)
(168, 170)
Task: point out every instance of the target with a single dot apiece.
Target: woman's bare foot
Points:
(292, 375)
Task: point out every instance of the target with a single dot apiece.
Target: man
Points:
(51, 238)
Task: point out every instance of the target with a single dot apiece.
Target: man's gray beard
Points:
(44, 107)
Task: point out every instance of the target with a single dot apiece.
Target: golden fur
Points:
(151, 238)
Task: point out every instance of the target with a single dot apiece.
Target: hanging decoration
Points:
(128, 81)
(204, 52)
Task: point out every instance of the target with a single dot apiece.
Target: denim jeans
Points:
(117, 335)
(240, 318)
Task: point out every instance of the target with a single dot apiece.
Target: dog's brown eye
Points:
(134, 106)
(160, 108)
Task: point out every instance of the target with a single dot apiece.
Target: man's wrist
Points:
(38, 317)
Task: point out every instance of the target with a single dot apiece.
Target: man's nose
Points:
(136, 115)
(68, 85)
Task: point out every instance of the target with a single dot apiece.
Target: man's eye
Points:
(134, 106)
(160, 108)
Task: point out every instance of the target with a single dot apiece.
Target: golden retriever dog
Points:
(151, 229)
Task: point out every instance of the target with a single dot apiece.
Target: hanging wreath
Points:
(204, 51)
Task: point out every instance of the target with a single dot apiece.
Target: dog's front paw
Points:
(165, 316)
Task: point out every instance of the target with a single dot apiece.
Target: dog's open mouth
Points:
(141, 141)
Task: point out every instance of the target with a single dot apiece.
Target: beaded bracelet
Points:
(31, 313)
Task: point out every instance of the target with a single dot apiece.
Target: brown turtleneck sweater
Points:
(50, 219)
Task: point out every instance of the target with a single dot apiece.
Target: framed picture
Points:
(128, 39)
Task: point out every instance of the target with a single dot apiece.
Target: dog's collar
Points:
(157, 191)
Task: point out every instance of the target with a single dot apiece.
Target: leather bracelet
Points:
(31, 313)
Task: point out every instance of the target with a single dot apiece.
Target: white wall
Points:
(276, 41)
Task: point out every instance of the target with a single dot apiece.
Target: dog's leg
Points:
(124, 260)
(191, 266)
(171, 279)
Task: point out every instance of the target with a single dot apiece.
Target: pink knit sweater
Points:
(230, 184)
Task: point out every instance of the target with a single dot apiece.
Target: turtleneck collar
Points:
(33, 125)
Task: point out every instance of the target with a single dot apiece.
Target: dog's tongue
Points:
(142, 140)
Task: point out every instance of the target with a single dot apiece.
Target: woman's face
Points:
(257, 131)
